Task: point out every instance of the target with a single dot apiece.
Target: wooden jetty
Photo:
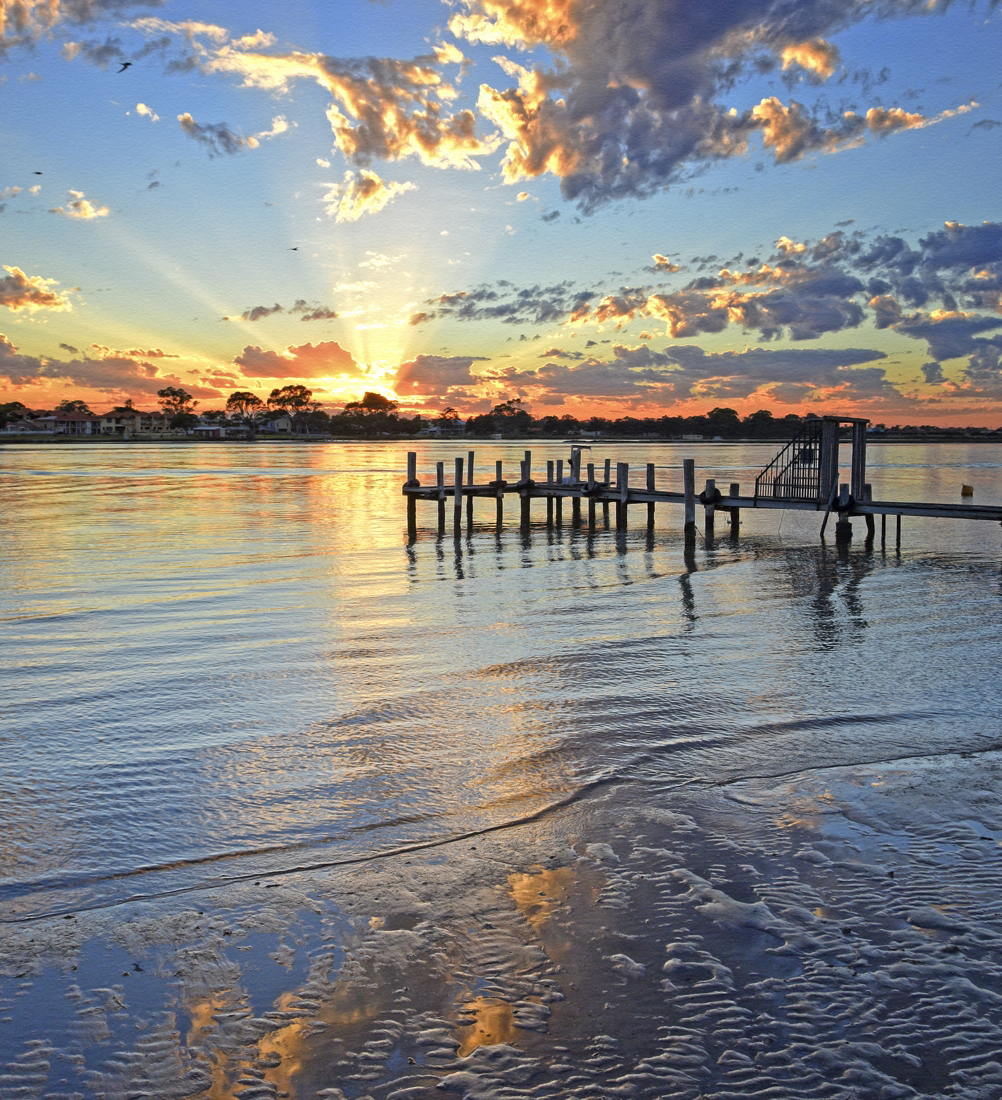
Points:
(803, 476)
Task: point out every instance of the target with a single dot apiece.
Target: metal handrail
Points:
(795, 473)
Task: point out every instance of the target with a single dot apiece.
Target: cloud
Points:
(30, 292)
(434, 375)
(560, 353)
(948, 335)
(305, 361)
(255, 313)
(662, 263)
(220, 139)
(133, 353)
(362, 192)
(309, 311)
(113, 372)
(816, 56)
(629, 99)
(380, 108)
(507, 303)
(683, 372)
(23, 22)
(80, 207)
(142, 109)
(16, 369)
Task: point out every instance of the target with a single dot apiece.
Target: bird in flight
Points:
(125, 65)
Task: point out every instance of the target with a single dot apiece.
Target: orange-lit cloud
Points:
(816, 56)
(362, 192)
(30, 292)
(327, 359)
(634, 96)
(80, 207)
(434, 375)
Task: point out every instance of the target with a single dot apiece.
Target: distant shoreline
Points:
(20, 441)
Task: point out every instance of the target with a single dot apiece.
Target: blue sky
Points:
(632, 208)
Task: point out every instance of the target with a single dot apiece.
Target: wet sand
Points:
(828, 933)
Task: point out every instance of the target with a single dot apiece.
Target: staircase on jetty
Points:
(804, 475)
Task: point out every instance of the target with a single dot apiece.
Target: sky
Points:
(601, 207)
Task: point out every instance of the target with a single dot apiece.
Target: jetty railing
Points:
(795, 473)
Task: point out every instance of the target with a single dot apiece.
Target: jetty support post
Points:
(623, 487)
(735, 492)
(897, 534)
(870, 524)
(575, 482)
(469, 496)
(606, 481)
(412, 481)
(858, 475)
(560, 498)
(843, 529)
(525, 488)
(883, 530)
(549, 496)
(440, 486)
(499, 492)
(689, 489)
(709, 509)
(457, 503)
(650, 489)
(591, 497)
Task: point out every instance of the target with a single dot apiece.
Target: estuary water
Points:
(290, 806)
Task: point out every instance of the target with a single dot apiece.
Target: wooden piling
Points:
(457, 501)
(870, 524)
(606, 481)
(709, 509)
(622, 484)
(734, 492)
(650, 486)
(897, 534)
(412, 518)
(689, 489)
(499, 488)
(469, 482)
(549, 499)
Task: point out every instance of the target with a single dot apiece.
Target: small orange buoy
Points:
(967, 490)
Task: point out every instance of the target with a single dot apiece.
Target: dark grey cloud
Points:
(23, 24)
(683, 371)
(310, 311)
(507, 303)
(218, 138)
(635, 99)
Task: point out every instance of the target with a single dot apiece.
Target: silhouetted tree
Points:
(73, 406)
(173, 400)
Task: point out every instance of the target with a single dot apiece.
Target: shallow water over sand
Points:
(549, 814)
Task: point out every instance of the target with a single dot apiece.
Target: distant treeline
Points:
(376, 415)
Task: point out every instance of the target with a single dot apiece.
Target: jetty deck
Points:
(804, 476)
